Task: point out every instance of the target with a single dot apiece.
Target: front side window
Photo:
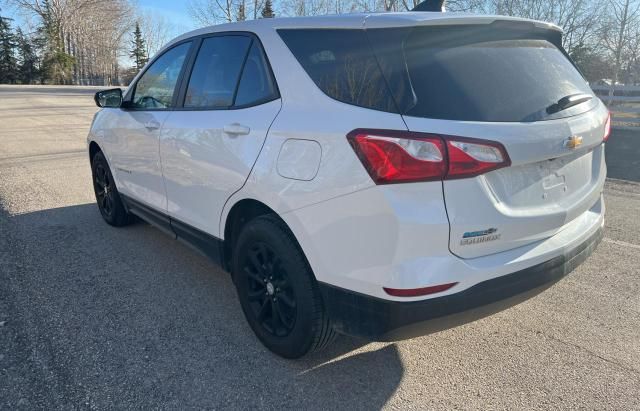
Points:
(216, 72)
(156, 87)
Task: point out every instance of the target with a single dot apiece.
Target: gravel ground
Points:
(95, 317)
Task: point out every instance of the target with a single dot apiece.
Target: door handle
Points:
(152, 125)
(236, 129)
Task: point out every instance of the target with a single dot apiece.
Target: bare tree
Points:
(617, 30)
(242, 11)
(89, 32)
(367, 6)
(210, 12)
(632, 58)
(322, 7)
(475, 6)
(577, 18)
(157, 30)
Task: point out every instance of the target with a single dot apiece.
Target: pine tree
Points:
(139, 49)
(28, 59)
(241, 13)
(8, 65)
(267, 10)
(57, 65)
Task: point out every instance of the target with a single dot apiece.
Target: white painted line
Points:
(622, 243)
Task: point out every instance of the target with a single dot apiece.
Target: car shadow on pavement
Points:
(130, 317)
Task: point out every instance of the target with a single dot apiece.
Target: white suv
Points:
(380, 175)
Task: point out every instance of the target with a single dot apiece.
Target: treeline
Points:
(602, 36)
(76, 41)
(86, 42)
(19, 61)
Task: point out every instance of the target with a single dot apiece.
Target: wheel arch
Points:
(94, 149)
(238, 216)
(242, 212)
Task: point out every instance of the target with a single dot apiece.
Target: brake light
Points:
(469, 157)
(399, 156)
(607, 128)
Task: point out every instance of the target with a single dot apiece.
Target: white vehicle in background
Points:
(378, 175)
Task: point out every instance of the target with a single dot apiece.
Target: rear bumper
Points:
(384, 320)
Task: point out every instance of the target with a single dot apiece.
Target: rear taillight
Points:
(470, 157)
(400, 156)
(607, 128)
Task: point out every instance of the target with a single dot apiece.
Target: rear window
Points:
(495, 72)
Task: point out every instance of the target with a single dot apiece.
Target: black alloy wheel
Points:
(277, 290)
(109, 202)
(103, 187)
(269, 291)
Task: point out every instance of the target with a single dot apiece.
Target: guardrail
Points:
(624, 104)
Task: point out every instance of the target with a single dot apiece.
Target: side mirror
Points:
(109, 98)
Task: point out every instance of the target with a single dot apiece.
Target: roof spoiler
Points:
(430, 5)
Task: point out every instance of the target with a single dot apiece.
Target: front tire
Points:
(277, 290)
(109, 202)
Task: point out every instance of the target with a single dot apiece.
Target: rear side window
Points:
(156, 87)
(341, 64)
(256, 84)
(216, 72)
(501, 72)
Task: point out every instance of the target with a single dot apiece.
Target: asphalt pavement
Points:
(94, 317)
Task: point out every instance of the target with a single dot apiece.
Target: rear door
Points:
(502, 82)
(210, 143)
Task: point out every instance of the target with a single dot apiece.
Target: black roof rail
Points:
(430, 5)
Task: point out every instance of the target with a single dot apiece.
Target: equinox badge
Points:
(475, 237)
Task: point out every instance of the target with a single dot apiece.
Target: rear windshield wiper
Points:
(568, 101)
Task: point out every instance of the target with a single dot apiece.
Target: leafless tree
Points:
(210, 12)
(95, 32)
(156, 29)
(90, 31)
(577, 18)
(257, 8)
(617, 31)
(321, 7)
(453, 5)
(366, 6)
(632, 58)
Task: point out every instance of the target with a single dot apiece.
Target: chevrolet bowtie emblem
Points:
(573, 142)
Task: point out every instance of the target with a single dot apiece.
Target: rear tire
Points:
(109, 202)
(278, 291)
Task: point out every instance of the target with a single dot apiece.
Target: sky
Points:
(174, 10)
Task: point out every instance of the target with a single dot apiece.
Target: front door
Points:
(133, 142)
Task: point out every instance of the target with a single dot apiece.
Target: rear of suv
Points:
(383, 176)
